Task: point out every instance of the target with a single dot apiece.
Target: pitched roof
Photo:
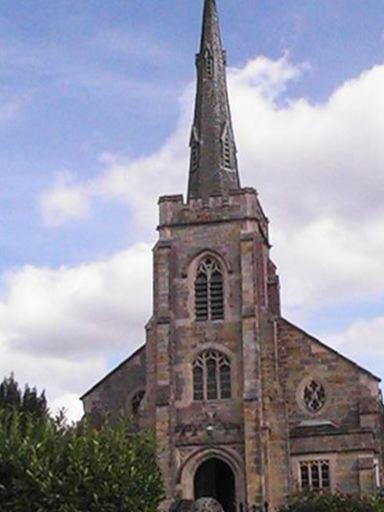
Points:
(129, 358)
(315, 340)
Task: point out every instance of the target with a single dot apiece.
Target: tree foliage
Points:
(27, 401)
(49, 466)
(334, 503)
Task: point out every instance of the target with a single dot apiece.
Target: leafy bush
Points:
(47, 466)
(334, 503)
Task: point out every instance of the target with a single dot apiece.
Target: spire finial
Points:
(213, 167)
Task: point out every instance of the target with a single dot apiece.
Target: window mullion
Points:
(209, 296)
(205, 380)
(310, 476)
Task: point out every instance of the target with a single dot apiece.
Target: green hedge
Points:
(334, 503)
(46, 466)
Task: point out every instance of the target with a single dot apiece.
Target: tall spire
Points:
(213, 165)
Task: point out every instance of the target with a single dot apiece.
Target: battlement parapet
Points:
(240, 204)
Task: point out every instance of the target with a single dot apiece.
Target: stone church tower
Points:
(246, 407)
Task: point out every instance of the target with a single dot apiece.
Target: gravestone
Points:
(207, 505)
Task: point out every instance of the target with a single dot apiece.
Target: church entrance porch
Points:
(215, 479)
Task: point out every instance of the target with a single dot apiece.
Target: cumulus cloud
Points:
(58, 327)
(363, 341)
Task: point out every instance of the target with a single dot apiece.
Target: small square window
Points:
(314, 475)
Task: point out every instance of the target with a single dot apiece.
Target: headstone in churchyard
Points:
(207, 505)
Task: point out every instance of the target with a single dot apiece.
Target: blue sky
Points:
(93, 87)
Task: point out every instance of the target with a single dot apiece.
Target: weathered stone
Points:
(207, 505)
(213, 167)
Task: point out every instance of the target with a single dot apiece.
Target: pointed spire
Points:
(213, 165)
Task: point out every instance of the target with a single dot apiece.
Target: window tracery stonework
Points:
(211, 376)
(209, 291)
(136, 402)
(314, 396)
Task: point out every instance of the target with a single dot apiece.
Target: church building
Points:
(246, 407)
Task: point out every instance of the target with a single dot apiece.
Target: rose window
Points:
(314, 396)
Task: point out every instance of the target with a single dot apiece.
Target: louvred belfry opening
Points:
(209, 291)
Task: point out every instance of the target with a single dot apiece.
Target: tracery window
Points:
(314, 396)
(314, 475)
(209, 291)
(211, 376)
(136, 402)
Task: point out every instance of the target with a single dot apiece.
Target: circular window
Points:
(314, 396)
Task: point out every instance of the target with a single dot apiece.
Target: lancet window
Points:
(136, 402)
(211, 376)
(209, 291)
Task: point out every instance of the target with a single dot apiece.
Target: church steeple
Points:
(213, 164)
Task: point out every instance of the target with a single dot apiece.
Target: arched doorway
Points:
(215, 479)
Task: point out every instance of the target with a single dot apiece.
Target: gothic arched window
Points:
(136, 402)
(209, 291)
(211, 376)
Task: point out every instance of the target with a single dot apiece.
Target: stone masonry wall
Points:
(348, 427)
(113, 394)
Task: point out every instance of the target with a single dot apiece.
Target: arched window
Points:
(211, 376)
(209, 291)
(136, 402)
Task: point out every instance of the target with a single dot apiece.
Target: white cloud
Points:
(73, 312)
(64, 202)
(62, 378)
(363, 341)
(58, 327)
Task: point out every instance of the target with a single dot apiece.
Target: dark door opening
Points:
(215, 479)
